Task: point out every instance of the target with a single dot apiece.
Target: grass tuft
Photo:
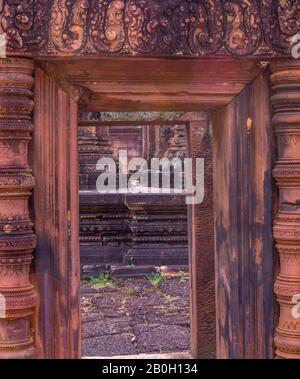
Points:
(155, 279)
(102, 281)
(170, 299)
(182, 277)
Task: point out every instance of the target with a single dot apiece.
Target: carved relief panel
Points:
(141, 27)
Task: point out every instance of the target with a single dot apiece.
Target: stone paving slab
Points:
(135, 317)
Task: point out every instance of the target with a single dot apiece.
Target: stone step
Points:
(89, 271)
(132, 271)
(174, 270)
(114, 270)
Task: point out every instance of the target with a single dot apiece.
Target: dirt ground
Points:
(135, 316)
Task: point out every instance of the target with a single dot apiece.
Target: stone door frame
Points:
(166, 55)
(245, 202)
(202, 320)
(243, 278)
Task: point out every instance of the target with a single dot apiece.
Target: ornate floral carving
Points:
(169, 27)
(24, 23)
(107, 29)
(67, 26)
(243, 27)
(280, 23)
(154, 27)
(206, 32)
(289, 16)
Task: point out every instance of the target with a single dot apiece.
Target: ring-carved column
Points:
(286, 121)
(17, 240)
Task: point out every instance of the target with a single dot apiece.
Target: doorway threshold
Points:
(176, 355)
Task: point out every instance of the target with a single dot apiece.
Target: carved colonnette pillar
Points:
(286, 121)
(17, 240)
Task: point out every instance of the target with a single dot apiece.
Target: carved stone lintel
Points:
(17, 240)
(286, 120)
(150, 27)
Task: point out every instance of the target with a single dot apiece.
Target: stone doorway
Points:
(163, 56)
(151, 313)
(56, 216)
